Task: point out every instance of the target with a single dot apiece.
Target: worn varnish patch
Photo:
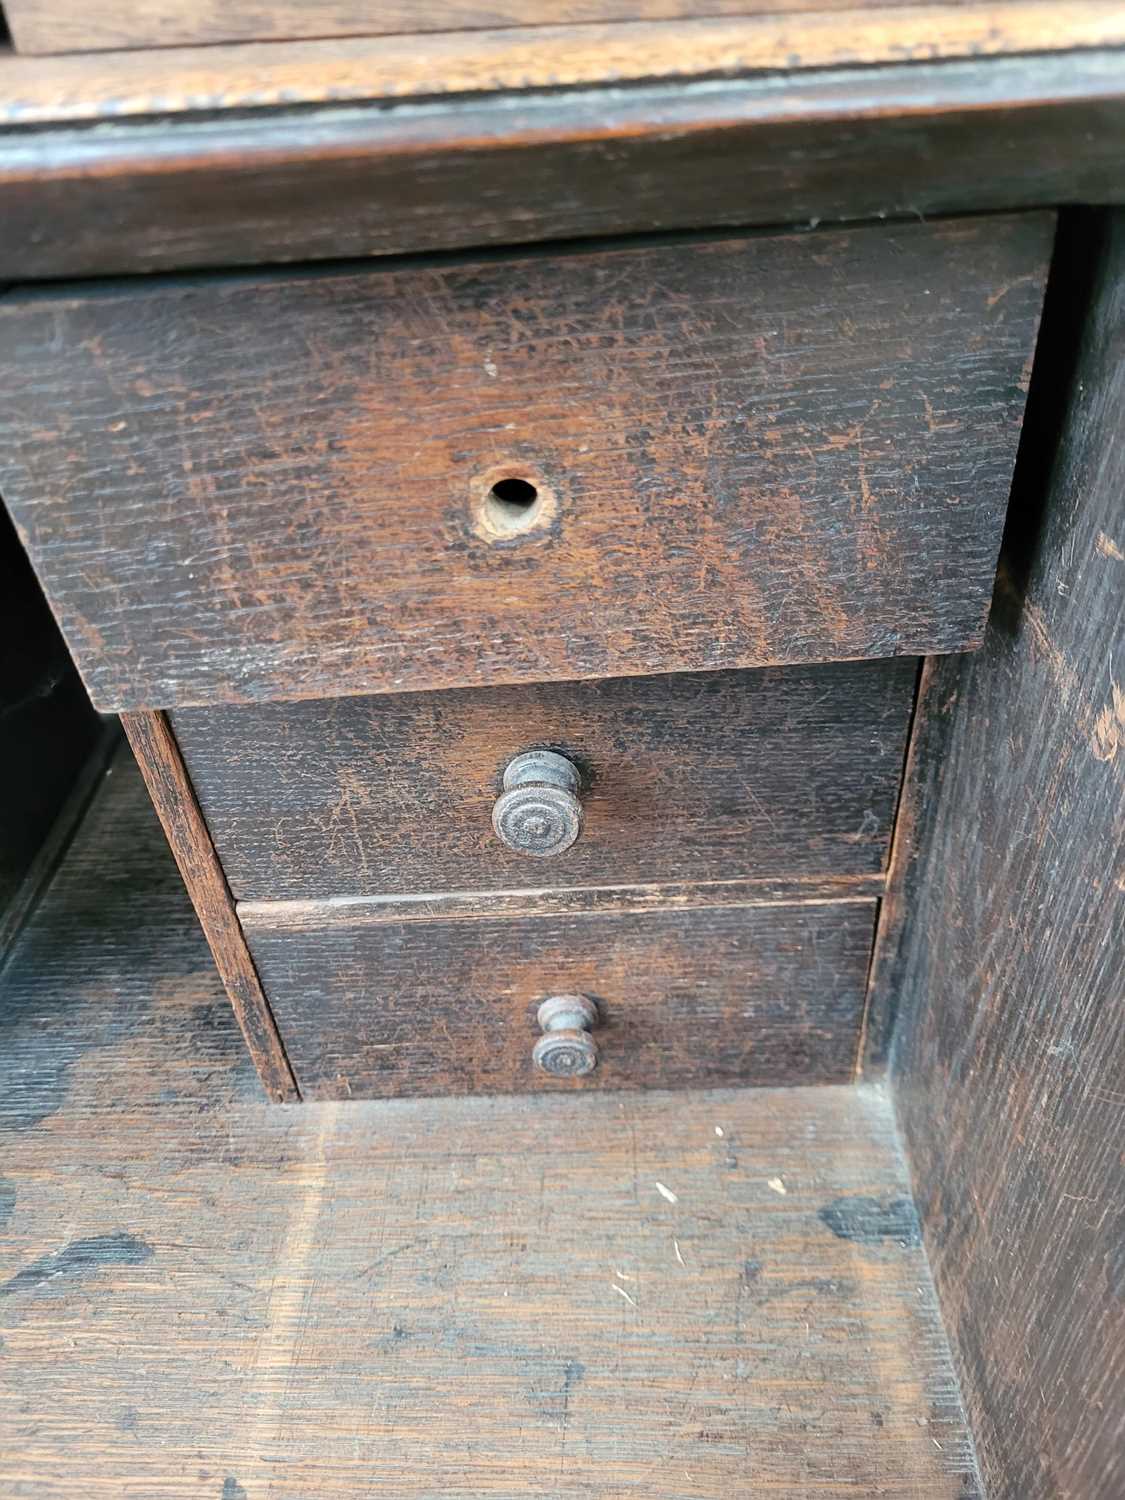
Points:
(1109, 726)
(869, 1221)
(757, 448)
(78, 1260)
(425, 1298)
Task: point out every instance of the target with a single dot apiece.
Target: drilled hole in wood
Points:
(514, 494)
(508, 504)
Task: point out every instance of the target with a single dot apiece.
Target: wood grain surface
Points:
(45, 26)
(171, 791)
(772, 147)
(715, 776)
(729, 42)
(375, 1008)
(1011, 1063)
(204, 1295)
(750, 452)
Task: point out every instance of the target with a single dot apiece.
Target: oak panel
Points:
(1009, 1057)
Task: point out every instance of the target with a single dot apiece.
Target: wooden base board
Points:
(700, 1295)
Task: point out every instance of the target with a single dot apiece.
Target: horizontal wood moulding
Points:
(278, 185)
(187, 80)
(748, 452)
(716, 776)
(749, 995)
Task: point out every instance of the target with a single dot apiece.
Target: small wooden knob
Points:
(566, 1049)
(538, 812)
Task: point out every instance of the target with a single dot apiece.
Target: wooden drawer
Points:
(771, 450)
(372, 1005)
(706, 776)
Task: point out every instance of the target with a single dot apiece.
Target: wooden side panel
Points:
(49, 735)
(786, 449)
(1010, 1063)
(375, 1008)
(716, 776)
(159, 759)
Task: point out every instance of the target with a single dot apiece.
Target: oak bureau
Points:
(603, 525)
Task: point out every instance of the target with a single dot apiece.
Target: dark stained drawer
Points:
(771, 450)
(707, 776)
(371, 1006)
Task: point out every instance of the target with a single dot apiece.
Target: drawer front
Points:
(736, 995)
(750, 452)
(707, 776)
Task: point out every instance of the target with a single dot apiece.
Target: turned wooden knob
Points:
(538, 812)
(566, 1049)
